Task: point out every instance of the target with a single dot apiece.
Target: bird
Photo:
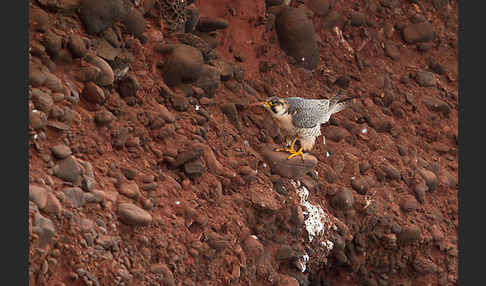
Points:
(300, 119)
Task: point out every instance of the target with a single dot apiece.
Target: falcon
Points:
(299, 119)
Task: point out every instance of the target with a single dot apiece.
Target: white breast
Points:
(284, 123)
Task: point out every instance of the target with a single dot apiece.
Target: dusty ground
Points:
(234, 222)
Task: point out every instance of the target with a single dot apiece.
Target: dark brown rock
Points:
(61, 151)
(224, 68)
(44, 228)
(37, 119)
(184, 65)
(389, 30)
(409, 234)
(128, 86)
(53, 204)
(336, 133)
(291, 168)
(389, 3)
(165, 113)
(187, 156)
(430, 178)
(343, 199)
(229, 109)
(364, 166)
(361, 185)
(37, 49)
(357, 19)
(196, 42)
(333, 19)
(112, 37)
(320, 7)
(253, 247)
(392, 50)
(192, 18)
(133, 215)
(104, 117)
(437, 67)
(107, 76)
(209, 24)
(343, 81)
(130, 173)
(135, 23)
(64, 6)
(296, 36)
(37, 75)
(93, 93)
(105, 50)
(53, 82)
(75, 197)
(218, 242)
(99, 15)
(424, 265)
(425, 79)
(420, 32)
(424, 47)
(87, 73)
(53, 44)
(285, 280)
(194, 168)
(270, 3)
(68, 169)
(130, 190)
(209, 80)
(408, 203)
(285, 252)
(77, 46)
(39, 18)
(180, 102)
(391, 171)
(420, 190)
(38, 195)
(435, 104)
(42, 100)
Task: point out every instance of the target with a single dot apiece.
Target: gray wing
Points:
(308, 113)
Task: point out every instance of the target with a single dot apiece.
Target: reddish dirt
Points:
(185, 243)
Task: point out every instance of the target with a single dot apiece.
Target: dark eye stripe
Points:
(273, 109)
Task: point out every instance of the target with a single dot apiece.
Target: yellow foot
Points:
(287, 149)
(294, 153)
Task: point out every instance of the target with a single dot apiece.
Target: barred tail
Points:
(337, 104)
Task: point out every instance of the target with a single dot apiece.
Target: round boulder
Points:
(98, 15)
(296, 36)
(184, 65)
(343, 199)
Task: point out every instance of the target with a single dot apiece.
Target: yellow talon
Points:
(290, 149)
(293, 154)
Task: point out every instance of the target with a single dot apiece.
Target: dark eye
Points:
(273, 109)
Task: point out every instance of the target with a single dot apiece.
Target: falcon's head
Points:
(276, 106)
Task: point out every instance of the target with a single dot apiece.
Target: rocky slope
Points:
(147, 167)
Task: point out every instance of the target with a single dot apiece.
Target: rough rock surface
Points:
(161, 184)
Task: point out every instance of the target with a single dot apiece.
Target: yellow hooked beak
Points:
(265, 104)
